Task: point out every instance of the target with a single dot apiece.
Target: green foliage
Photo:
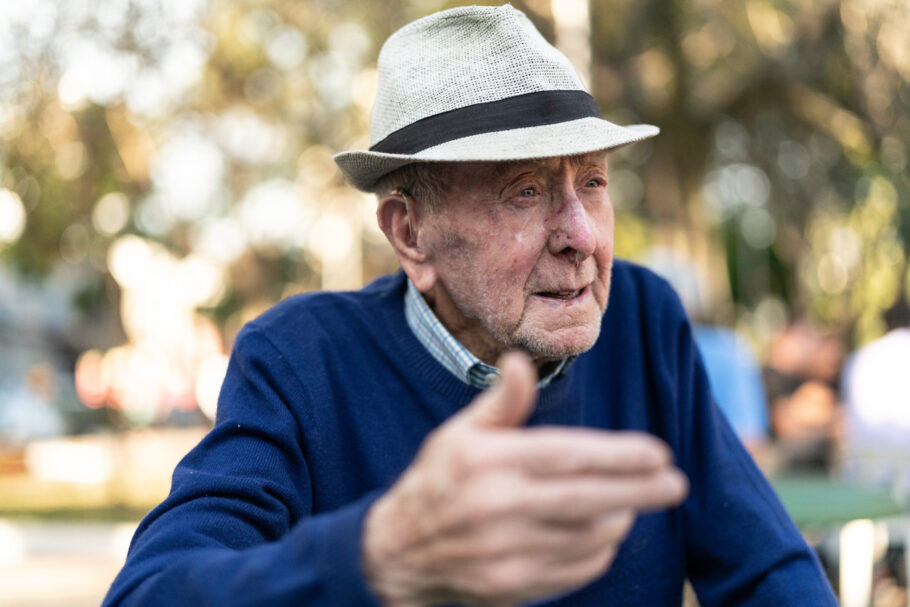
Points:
(811, 98)
(783, 147)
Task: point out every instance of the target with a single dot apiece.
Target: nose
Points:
(571, 234)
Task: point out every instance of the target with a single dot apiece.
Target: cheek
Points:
(603, 254)
(512, 244)
(518, 255)
(604, 229)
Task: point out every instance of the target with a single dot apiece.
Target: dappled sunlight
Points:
(166, 175)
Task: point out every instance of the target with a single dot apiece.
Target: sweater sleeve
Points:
(237, 527)
(741, 546)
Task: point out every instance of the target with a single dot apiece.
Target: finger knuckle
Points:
(664, 487)
(579, 501)
(652, 448)
(508, 577)
(489, 501)
(475, 512)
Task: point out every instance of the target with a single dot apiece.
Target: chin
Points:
(544, 345)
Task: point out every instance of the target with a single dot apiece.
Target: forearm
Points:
(316, 563)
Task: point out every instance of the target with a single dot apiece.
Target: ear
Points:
(400, 222)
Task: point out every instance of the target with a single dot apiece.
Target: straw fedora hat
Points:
(477, 83)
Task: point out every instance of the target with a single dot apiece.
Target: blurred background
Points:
(166, 175)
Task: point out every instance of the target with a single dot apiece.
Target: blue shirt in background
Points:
(735, 380)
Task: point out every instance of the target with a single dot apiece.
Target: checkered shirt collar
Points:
(449, 352)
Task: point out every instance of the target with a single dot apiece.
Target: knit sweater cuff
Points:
(339, 539)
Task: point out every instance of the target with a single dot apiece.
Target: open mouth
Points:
(561, 295)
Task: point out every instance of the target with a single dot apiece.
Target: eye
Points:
(594, 183)
(528, 192)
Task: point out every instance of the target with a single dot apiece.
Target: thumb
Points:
(510, 402)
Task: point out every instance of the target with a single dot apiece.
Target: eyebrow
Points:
(576, 161)
(507, 169)
(588, 159)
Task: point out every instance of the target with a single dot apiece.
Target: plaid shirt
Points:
(450, 353)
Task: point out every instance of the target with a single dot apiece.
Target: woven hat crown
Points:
(462, 57)
(477, 84)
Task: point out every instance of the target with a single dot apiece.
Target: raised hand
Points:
(490, 513)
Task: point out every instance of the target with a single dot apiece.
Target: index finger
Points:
(547, 451)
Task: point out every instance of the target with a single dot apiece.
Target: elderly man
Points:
(360, 456)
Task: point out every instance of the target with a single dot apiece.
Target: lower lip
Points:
(582, 295)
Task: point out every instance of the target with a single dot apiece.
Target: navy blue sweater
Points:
(327, 399)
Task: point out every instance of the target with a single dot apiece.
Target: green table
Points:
(818, 501)
(822, 504)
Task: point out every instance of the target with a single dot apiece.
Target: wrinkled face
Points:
(521, 253)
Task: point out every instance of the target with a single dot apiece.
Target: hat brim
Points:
(364, 168)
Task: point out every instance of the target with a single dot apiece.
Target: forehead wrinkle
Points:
(596, 158)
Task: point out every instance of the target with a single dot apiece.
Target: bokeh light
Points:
(111, 213)
(212, 370)
(12, 216)
(331, 238)
(187, 174)
(272, 214)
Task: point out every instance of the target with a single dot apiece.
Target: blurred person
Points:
(27, 407)
(876, 389)
(733, 371)
(481, 427)
(802, 378)
(736, 382)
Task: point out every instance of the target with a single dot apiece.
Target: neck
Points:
(468, 331)
(471, 334)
